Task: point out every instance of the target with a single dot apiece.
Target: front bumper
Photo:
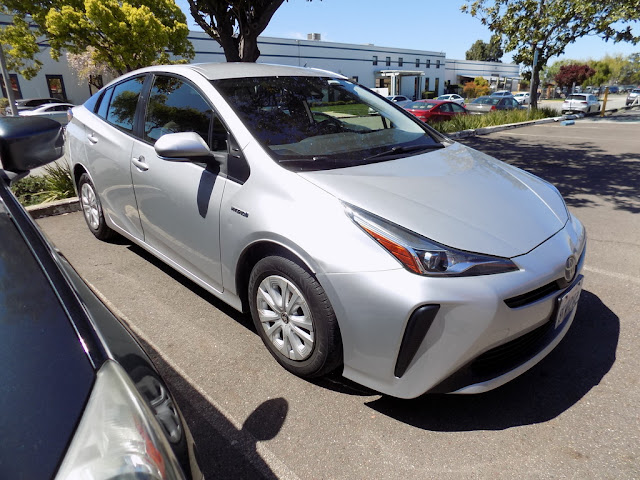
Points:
(374, 311)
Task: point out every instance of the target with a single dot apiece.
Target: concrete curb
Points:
(58, 207)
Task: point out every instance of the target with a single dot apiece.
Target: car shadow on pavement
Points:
(224, 451)
(578, 168)
(559, 381)
(242, 319)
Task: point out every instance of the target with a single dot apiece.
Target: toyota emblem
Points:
(570, 268)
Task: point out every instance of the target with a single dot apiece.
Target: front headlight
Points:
(423, 256)
(118, 436)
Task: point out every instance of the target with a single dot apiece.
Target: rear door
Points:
(109, 141)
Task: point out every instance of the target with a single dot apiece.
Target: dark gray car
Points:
(79, 396)
(491, 104)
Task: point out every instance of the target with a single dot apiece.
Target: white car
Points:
(54, 111)
(580, 103)
(452, 97)
(523, 98)
(398, 98)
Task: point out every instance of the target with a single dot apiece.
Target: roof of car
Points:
(215, 71)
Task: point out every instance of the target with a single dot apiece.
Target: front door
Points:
(179, 201)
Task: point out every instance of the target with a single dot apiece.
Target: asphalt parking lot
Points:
(575, 415)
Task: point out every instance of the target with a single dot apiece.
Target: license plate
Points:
(568, 301)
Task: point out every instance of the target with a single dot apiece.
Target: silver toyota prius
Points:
(357, 237)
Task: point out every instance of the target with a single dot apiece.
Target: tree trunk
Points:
(249, 51)
(535, 83)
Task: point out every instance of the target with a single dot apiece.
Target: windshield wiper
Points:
(304, 159)
(405, 149)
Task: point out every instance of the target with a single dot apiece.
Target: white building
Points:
(499, 75)
(401, 71)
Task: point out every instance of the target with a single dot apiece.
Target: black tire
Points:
(92, 209)
(326, 351)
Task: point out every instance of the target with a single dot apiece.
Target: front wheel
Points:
(294, 318)
(92, 209)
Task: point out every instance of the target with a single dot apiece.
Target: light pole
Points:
(7, 82)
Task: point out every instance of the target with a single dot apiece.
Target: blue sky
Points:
(433, 25)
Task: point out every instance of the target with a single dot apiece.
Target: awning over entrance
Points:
(394, 77)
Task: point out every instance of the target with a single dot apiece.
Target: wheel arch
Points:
(78, 170)
(252, 254)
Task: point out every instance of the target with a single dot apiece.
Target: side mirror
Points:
(182, 147)
(29, 142)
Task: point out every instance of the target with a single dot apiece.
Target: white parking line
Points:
(619, 276)
(564, 137)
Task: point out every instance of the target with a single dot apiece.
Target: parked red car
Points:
(435, 110)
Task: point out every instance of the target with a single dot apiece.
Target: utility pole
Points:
(7, 83)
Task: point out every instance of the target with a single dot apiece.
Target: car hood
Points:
(457, 196)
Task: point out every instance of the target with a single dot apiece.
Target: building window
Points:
(388, 61)
(400, 61)
(375, 59)
(417, 62)
(15, 86)
(428, 63)
(437, 63)
(55, 83)
(437, 89)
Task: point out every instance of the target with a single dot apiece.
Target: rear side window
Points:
(124, 100)
(175, 106)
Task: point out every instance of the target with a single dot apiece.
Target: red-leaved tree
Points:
(570, 74)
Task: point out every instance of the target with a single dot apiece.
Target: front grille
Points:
(499, 360)
(533, 295)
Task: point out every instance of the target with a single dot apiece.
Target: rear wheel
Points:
(92, 209)
(294, 318)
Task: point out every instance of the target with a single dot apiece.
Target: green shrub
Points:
(472, 122)
(55, 184)
(29, 190)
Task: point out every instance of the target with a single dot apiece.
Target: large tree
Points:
(124, 35)
(548, 26)
(235, 24)
(486, 52)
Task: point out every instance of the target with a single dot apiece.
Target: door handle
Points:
(139, 163)
(92, 139)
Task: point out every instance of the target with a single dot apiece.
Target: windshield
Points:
(420, 106)
(577, 97)
(317, 123)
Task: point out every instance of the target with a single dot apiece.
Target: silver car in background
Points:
(370, 244)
